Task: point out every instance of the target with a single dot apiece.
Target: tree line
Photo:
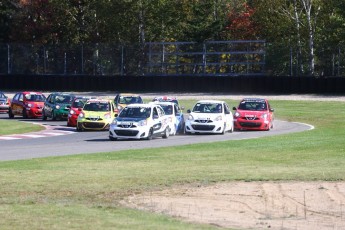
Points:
(306, 35)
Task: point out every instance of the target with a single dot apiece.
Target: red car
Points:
(27, 104)
(253, 114)
(74, 111)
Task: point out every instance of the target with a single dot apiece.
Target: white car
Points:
(140, 121)
(209, 116)
(175, 116)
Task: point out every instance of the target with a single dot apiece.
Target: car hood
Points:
(205, 116)
(249, 113)
(36, 104)
(132, 119)
(95, 113)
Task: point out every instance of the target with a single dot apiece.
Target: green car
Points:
(57, 106)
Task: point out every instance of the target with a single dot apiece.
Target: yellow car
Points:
(97, 114)
(123, 99)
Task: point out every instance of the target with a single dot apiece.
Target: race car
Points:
(209, 116)
(5, 103)
(253, 114)
(123, 99)
(27, 104)
(76, 107)
(97, 114)
(57, 106)
(140, 121)
(176, 117)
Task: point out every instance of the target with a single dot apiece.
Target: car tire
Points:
(53, 116)
(149, 137)
(223, 132)
(44, 117)
(10, 114)
(166, 133)
(232, 129)
(25, 115)
(112, 138)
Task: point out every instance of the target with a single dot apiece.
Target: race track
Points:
(94, 142)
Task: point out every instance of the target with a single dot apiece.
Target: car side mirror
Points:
(182, 107)
(188, 111)
(79, 109)
(116, 115)
(233, 108)
(271, 110)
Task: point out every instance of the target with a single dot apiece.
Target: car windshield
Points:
(136, 112)
(207, 108)
(130, 100)
(64, 99)
(253, 105)
(2, 95)
(97, 106)
(79, 103)
(35, 97)
(168, 109)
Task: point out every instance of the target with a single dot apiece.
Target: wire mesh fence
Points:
(211, 58)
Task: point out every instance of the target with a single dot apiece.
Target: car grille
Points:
(203, 121)
(94, 119)
(250, 124)
(203, 127)
(127, 126)
(250, 118)
(129, 133)
(93, 125)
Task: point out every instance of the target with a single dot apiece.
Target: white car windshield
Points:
(136, 112)
(207, 108)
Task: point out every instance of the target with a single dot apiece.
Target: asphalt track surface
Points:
(96, 142)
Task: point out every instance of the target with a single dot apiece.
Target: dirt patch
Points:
(252, 205)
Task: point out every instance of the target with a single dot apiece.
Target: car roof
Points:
(162, 102)
(210, 101)
(129, 94)
(99, 100)
(253, 99)
(148, 105)
(31, 92)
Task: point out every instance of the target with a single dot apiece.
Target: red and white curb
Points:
(50, 131)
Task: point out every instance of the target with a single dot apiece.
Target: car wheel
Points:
(25, 116)
(232, 129)
(223, 132)
(166, 133)
(53, 116)
(44, 117)
(10, 114)
(112, 138)
(149, 137)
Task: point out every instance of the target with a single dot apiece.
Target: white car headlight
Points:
(81, 115)
(142, 123)
(57, 107)
(219, 118)
(71, 112)
(190, 117)
(114, 122)
(29, 105)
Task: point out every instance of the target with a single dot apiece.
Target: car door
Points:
(14, 104)
(48, 105)
(228, 115)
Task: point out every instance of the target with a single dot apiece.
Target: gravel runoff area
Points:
(248, 205)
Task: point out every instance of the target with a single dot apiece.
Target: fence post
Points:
(122, 64)
(8, 59)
